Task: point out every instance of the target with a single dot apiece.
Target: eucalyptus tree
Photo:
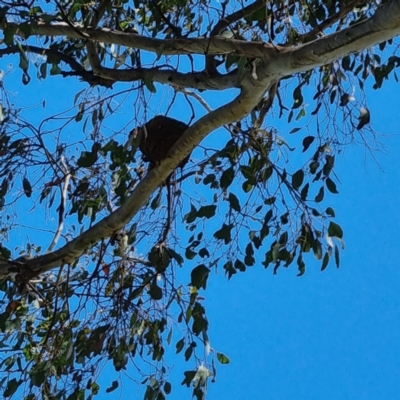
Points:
(114, 271)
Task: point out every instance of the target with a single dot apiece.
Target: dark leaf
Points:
(155, 291)
(12, 387)
(27, 187)
(294, 130)
(320, 196)
(188, 353)
(297, 178)
(167, 387)
(331, 186)
(240, 266)
(334, 230)
(307, 142)
(191, 215)
(224, 233)
(223, 359)
(325, 261)
(114, 385)
(234, 202)
(337, 257)
(206, 211)
(330, 211)
(199, 276)
(189, 375)
(179, 345)
(227, 178)
(304, 192)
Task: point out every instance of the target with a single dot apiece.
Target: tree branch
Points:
(327, 23)
(223, 23)
(78, 69)
(197, 80)
(383, 25)
(214, 45)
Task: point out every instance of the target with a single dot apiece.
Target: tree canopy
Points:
(111, 267)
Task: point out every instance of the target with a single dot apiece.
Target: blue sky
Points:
(330, 335)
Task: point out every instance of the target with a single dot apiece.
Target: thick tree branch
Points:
(78, 69)
(196, 80)
(214, 45)
(383, 25)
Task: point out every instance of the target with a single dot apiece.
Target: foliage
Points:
(119, 280)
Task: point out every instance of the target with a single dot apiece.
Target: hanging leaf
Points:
(297, 179)
(222, 358)
(199, 276)
(307, 141)
(334, 230)
(27, 187)
(331, 186)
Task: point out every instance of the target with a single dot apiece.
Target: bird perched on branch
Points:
(157, 138)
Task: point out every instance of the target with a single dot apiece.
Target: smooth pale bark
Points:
(275, 64)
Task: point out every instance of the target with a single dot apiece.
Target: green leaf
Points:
(325, 261)
(189, 253)
(199, 276)
(294, 130)
(191, 215)
(12, 387)
(189, 375)
(234, 202)
(114, 385)
(155, 291)
(27, 187)
(206, 211)
(304, 192)
(320, 196)
(331, 186)
(227, 178)
(224, 233)
(240, 266)
(229, 269)
(337, 257)
(4, 252)
(8, 33)
(148, 81)
(179, 345)
(297, 178)
(23, 60)
(297, 97)
(330, 211)
(334, 230)
(204, 253)
(188, 353)
(223, 359)
(167, 387)
(209, 179)
(87, 159)
(317, 248)
(307, 142)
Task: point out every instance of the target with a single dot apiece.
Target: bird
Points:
(158, 137)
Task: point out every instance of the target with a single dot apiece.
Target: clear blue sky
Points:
(330, 335)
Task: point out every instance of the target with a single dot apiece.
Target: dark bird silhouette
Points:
(159, 137)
